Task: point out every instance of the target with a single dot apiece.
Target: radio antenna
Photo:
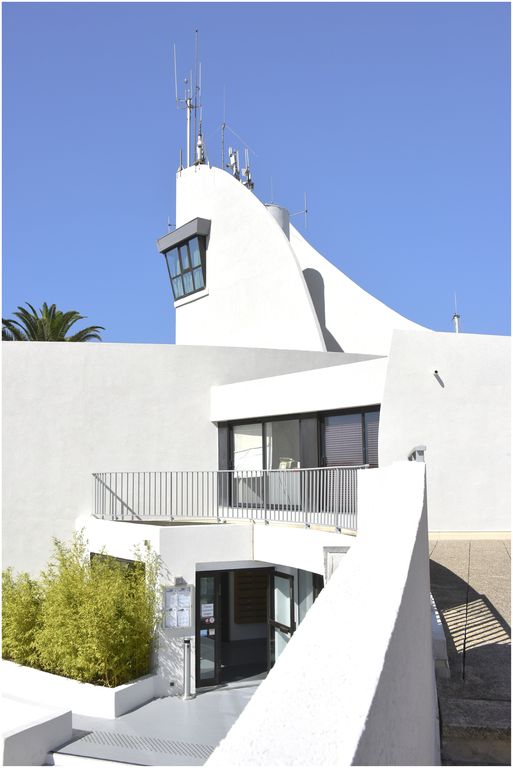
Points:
(195, 80)
(248, 183)
(305, 211)
(223, 126)
(187, 101)
(176, 81)
(456, 316)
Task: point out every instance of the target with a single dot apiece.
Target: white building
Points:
(224, 450)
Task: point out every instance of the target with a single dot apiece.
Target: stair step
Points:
(476, 732)
(64, 759)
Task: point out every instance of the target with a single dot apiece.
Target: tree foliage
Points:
(97, 619)
(49, 324)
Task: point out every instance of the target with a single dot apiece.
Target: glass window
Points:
(194, 249)
(173, 262)
(247, 446)
(177, 287)
(187, 267)
(184, 257)
(282, 444)
(198, 279)
(188, 284)
(282, 600)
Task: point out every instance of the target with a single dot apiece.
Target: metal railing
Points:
(325, 496)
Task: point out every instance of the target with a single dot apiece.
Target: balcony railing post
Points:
(325, 496)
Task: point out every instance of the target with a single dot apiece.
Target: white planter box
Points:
(82, 698)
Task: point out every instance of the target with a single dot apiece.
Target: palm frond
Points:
(49, 324)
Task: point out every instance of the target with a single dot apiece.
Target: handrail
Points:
(323, 496)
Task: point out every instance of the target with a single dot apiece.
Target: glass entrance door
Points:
(208, 628)
(281, 614)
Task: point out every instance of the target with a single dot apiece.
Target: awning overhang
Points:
(185, 232)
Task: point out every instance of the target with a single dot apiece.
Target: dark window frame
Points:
(346, 411)
(264, 423)
(319, 415)
(189, 270)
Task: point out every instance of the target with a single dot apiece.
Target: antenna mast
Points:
(305, 211)
(190, 99)
(248, 183)
(456, 317)
(223, 126)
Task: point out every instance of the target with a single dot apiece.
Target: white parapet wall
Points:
(30, 731)
(451, 393)
(355, 685)
(50, 690)
(351, 385)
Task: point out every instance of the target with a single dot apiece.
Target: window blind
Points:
(371, 437)
(343, 440)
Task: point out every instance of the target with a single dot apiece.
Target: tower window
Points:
(186, 265)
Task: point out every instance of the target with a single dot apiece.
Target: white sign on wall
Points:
(177, 607)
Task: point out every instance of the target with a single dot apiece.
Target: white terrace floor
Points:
(168, 731)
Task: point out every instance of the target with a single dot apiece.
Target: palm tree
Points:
(50, 325)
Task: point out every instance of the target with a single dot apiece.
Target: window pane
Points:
(188, 285)
(282, 444)
(177, 287)
(247, 446)
(184, 257)
(174, 264)
(282, 600)
(371, 437)
(195, 252)
(207, 615)
(343, 440)
(198, 278)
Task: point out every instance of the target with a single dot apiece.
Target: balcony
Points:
(325, 497)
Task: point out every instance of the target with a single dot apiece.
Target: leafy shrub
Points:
(21, 603)
(97, 618)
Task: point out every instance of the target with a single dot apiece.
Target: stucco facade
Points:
(272, 337)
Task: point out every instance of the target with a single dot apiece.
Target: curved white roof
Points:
(264, 290)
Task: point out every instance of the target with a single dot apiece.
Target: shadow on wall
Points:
(315, 284)
(478, 637)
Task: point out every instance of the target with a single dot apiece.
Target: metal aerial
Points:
(191, 102)
(305, 211)
(248, 182)
(456, 317)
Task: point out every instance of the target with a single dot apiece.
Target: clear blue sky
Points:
(395, 118)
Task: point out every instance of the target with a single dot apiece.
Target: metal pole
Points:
(188, 108)
(187, 670)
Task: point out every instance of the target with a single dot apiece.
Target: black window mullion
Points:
(364, 440)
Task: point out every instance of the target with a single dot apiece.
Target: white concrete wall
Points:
(185, 549)
(46, 689)
(73, 409)
(355, 684)
(256, 294)
(31, 732)
(352, 317)
(463, 418)
(344, 386)
(296, 547)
